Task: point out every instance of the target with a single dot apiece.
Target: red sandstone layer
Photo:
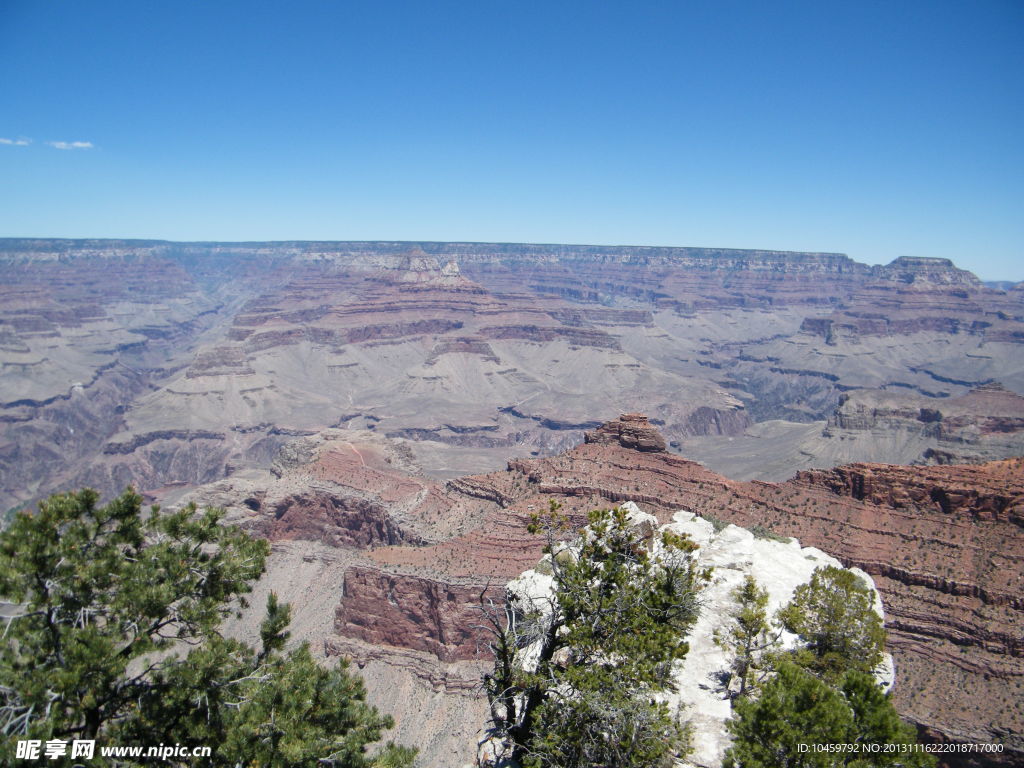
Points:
(945, 544)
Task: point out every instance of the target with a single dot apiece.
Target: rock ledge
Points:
(630, 430)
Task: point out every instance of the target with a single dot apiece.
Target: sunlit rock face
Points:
(118, 355)
(735, 553)
(944, 544)
(731, 554)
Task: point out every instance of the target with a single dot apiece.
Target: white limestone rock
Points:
(732, 554)
(735, 553)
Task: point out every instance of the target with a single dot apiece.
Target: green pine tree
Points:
(833, 614)
(800, 721)
(111, 633)
(875, 721)
(605, 649)
(749, 637)
(795, 710)
(824, 707)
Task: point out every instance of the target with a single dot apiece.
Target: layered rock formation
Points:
(919, 294)
(468, 350)
(79, 341)
(985, 423)
(168, 365)
(945, 545)
(631, 430)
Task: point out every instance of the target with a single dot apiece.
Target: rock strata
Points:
(631, 431)
(983, 424)
(422, 614)
(944, 545)
(429, 340)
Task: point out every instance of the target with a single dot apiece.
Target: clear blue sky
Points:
(872, 128)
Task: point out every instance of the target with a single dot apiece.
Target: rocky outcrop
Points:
(138, 441)
(469, 437)
(985, 423)
(944, 545)
(258, 341)
(575, 336)
(335, 520)
(729, 555)
(993, 493)
(705, 420)
(921, 269)
(220, 361)
(412, 612)
(631, 431)
(916, 295)
(467, 345)
(603, 316)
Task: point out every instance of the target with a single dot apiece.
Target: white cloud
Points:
(71, 144)
(16, 142)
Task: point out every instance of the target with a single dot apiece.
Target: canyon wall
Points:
(406, 407)
(945, 545)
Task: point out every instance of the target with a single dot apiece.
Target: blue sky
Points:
(876, 129)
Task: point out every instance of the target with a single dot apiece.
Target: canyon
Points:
(414, 561)
(172, 364)
(390, 415)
